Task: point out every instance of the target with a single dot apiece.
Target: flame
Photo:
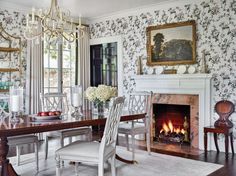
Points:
(170, 125)
(170, 128)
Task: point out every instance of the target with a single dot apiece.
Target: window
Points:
(59, 67)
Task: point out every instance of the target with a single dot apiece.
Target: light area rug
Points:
(148, 165)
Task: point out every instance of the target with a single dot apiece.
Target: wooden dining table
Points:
(28, 125)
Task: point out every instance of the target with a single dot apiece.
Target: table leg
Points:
(7, 169)
(205, 142)
(232, 142)
(226, 144)
(216, 142)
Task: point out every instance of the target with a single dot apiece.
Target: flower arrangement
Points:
(100, 94)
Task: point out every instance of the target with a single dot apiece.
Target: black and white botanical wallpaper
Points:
(216, 34)
(13, 23)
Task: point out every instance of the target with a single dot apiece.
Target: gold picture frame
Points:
(171, 44)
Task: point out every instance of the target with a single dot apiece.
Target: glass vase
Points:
(100, 108)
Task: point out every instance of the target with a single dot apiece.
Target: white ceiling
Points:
(88, 8)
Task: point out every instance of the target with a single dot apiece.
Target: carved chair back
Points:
(140, 101)
(224, 109)
(54, 102)
(112, 123)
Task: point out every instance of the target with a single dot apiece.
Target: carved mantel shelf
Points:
(192, 84)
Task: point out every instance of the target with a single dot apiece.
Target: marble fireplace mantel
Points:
(192, 84)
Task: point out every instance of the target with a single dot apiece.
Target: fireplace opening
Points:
(172, 123)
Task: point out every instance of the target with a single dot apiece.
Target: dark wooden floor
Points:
(229, 162)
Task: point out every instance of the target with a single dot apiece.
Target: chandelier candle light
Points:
(52, 24)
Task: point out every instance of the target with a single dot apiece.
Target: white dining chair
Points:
(138, 102)
(59, 102)
(18, 141)
(95, 152)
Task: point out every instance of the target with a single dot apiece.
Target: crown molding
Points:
(14, 7)
(148, 8)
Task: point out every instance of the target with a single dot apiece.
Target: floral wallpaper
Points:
(12, 23)
(216, 34)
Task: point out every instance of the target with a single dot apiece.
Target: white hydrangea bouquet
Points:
(100, 94)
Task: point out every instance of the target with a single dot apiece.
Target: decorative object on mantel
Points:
(159, 70)
(139, 66)
(100, 97)
(169, 71)
(191, 69)
(203, 66)
(56, 23)
(181, 69)
(224, 109)
(164, 47)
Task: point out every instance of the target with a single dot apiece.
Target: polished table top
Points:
(28, 126)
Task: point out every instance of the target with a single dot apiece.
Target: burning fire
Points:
(169, 128)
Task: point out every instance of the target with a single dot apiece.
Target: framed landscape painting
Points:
(171, 44)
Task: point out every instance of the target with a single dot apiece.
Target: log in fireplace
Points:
(172, 123)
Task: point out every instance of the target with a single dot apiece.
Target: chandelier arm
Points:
(55, 24)
(33, 37)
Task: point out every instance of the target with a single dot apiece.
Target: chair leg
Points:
(113, 165)
(46, 147)
(70, 140)
(90, 135)
(77, 169)
(58, 169)
(133, 146)
(36, 148)
(148, 141)
(18, 152)
(62, 145)
(127, 141)
(101, 168)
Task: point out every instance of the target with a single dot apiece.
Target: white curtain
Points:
(84, 64)
(34, 76)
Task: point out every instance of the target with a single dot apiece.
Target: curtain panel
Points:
(84, 65)
(34, 76)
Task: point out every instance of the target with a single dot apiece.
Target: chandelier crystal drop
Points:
(53, 25)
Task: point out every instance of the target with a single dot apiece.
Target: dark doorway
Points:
(103, 59)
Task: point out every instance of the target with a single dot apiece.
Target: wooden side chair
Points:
(59, 102)
(222, 125)
(95, 152)
(138, 102)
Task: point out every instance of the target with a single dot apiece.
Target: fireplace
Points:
(172, 123)
(182, 89)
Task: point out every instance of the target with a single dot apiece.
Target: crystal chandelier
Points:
(52, 24)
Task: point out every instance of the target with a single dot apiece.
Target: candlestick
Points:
(33, 17)
(75, 99)
(15, 103)
(80, 20)
(27, 20)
